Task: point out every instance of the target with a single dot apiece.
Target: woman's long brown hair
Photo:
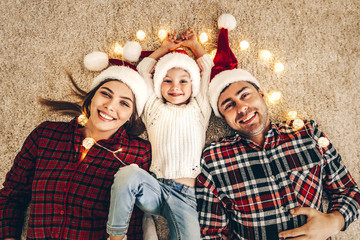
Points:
(134, 126)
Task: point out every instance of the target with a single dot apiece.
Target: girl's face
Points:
(176, 86)
(111, 106)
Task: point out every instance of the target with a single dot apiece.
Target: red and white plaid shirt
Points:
(69, 199)
(245, 191)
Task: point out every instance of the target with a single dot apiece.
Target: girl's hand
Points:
(189, 38)
(171, 42)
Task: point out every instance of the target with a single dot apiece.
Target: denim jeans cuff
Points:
(116, 231)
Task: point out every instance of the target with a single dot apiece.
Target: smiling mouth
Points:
(107, 117)
(248, 119)
(175, 94)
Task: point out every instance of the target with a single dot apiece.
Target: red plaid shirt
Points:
(245, 191)
(69, 199)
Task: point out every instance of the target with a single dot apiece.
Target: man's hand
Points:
(319, 225)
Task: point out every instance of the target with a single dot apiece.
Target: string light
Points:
(88, 142)
(323, 142)
(292, 115)
(118, 49)
(244, 45)
(279, 67)
(265, 55)
(140, 35)
(162, 34)
(82, 119)
(298, 124)
(274, 97)
(203, 37)
(212, 54)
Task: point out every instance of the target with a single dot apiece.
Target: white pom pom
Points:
(96, 61)
(227, 21)
(132, 51)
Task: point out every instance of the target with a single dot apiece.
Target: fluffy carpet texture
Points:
(317, 41)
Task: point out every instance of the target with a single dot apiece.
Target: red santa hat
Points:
(225, 71)
(123, 71)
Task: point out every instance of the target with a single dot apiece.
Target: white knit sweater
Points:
(177, 133)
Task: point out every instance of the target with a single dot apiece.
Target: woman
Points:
(66, 169)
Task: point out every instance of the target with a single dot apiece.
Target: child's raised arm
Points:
(170, 43)
(189, 40)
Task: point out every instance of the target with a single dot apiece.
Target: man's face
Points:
(244, 109)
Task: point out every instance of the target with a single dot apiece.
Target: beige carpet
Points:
(317, 41)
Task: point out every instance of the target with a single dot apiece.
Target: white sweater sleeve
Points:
(145, 68)
(205, 64)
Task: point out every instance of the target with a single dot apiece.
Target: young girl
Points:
(176, 118)
(66, 168)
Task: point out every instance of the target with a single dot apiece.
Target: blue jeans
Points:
(174, 201)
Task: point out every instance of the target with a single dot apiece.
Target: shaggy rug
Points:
(316, 41)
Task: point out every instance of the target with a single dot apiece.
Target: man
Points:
(267, 181)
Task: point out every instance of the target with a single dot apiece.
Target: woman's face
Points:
(111, 106)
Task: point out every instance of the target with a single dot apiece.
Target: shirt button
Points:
(62, 212)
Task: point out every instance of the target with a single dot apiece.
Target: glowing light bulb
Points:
(88, 142)
(82, 119)
(323, 142)
(298, 124)
(265, 55)
(118, 49)
(244, 45)
(213, 53)
(279, 67)
(140, 35)
(162, 34)
(203, 37)
(274, 97)
(292, 115)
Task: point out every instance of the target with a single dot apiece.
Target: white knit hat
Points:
(176, 60)
(122, 71)
(225, 71)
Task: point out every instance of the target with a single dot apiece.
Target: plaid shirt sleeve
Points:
(16, 193)
(344, 194)
(212, 215)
